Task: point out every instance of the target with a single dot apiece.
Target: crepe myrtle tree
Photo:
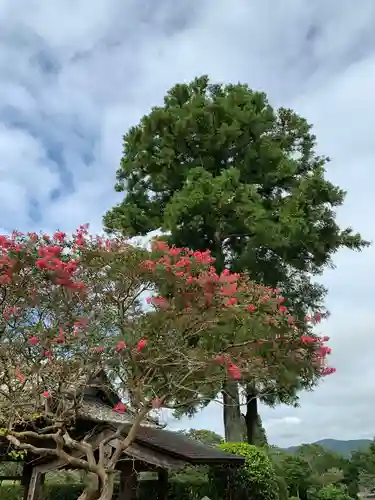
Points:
(71, 306)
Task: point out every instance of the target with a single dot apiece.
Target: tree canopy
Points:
(216, 167)
(205, 436)
(219, 168)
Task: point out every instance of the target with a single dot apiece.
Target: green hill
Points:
(344, 448)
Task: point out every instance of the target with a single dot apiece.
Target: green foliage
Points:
(179, 488)
(276, 456)
(344, 448)
(204, 436)
(255, 480)
(360, 469)
(311, 468)
(182, 486)
(219, 168)
(50, 492)
(260, 436)
(320, 460)
(297, 474)
(17, 454)
(333, 492)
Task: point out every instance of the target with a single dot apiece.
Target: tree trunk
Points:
(91, 491)
(233, 424)
(98, 488)
(251, 417)
(107, 487)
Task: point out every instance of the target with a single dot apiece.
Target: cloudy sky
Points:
(75, 74)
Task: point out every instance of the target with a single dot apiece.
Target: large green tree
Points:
(216, 167)
(205, 436)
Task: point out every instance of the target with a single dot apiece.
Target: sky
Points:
(76, 74)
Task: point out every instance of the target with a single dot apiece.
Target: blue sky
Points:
(74, 75)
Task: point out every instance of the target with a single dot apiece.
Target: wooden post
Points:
(26, 474)
(33, 483)
(128, 483)
(162, 484)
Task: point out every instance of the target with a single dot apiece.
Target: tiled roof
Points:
(180, 446)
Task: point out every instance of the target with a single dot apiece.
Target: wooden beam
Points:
(32, 489)
(162, 484)
(26, 474)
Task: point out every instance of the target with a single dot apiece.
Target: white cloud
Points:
(74, 75)
(289, 421)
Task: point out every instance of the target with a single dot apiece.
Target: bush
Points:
(256, 480)
(11, 492)
(50, 492)
(333, 492)
(189, 485)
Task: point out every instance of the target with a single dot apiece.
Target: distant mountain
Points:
(344, 448)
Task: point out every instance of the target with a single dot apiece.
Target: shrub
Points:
(50, 492)
(182, 486)
(333, 492)
(256, 480)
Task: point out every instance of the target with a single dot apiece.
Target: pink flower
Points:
(174, 251)
(317, 317)
(234, 372)
(149, 264)
(251, 308)
(120, 407)
(141, 345)
(159, 302)
(121, 346)
(11, 312)
(98, 348)
(33, 340)
(59, 236)
(306, 339)
(46, 394)
(328, 371)
(231, 301)
(19, 375)
(324, 351)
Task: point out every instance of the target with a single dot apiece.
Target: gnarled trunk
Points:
(107, 488)
(98, 488)
(91, 490)
(233, 424)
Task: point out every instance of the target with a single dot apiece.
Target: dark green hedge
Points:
(178, 490)
(51, 492)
